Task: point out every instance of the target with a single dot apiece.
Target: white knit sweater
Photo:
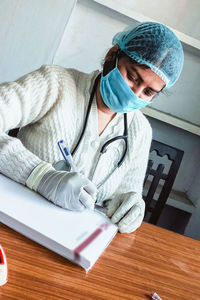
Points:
(50, 104)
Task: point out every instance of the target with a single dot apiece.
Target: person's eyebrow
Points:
(154, 90)
(157, 91)
(141, 79)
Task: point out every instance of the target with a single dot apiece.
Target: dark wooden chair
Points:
(159, 174)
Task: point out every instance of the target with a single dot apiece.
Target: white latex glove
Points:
(127, 211)
(70, 190)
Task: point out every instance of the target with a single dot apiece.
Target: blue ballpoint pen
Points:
(67, 155)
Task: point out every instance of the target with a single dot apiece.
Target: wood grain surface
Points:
(132, 267)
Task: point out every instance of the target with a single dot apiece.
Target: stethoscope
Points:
(123, 137)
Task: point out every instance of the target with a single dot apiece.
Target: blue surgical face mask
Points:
(117, 95)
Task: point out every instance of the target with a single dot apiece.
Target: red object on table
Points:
(3, 267)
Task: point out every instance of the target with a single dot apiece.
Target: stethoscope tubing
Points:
(124, 137)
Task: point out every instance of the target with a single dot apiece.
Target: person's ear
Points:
(111, 54)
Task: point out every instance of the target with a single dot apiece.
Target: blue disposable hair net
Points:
(154, 45)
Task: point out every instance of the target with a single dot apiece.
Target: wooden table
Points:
(132, 267)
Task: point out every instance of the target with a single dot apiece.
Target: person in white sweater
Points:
(51, 103)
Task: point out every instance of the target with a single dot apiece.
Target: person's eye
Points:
(149, 92)
(131, 77)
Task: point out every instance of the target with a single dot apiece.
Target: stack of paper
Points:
(79, 236)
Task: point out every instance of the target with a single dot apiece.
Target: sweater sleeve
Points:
(22, 102)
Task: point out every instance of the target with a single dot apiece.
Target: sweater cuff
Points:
(36, 175)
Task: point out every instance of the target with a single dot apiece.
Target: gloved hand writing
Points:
(70, 190)
(127, 211)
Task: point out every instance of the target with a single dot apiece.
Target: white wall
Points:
(88, 36)
(182, 15)
(30, 34)
(193, 228)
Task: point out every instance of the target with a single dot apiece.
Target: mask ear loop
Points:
(110, 64)
(116, 64)
(117, 57)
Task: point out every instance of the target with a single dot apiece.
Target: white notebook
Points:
(80, 237)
